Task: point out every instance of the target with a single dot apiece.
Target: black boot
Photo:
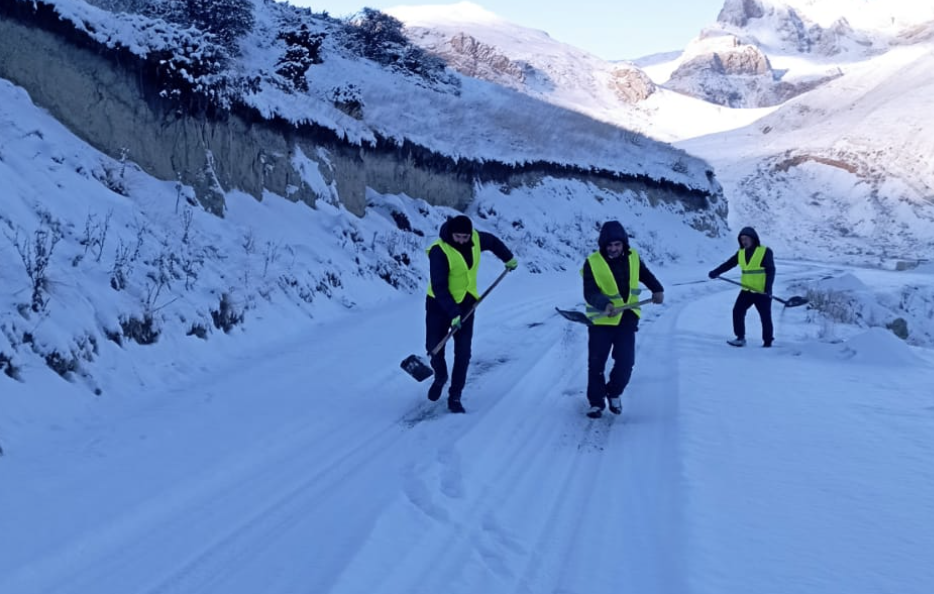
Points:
(434, 392)
(455, 406)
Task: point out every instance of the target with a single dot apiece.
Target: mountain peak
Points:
(869, 15)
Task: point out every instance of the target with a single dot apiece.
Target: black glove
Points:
(712, 274)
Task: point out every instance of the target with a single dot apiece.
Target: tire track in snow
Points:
(469, 542)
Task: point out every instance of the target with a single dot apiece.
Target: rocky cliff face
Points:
(111, 108)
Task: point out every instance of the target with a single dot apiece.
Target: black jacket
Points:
(620, 269)
(768, 261)
(439, 268)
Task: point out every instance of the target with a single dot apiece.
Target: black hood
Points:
(445, 233)
(464, 248)
(749, 232)
(613, 231)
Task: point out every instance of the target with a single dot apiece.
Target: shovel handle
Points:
(621, 309)
(451, 332)
(748, 288)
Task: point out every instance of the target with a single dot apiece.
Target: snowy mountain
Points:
(806, 107)
(842, 169)
(477, 43)
(838, 162)
(811, 42)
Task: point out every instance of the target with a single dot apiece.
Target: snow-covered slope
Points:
(479, 44)
(810, 110)
(843, 169)
(105, 267)
(360, 99)
(843, 163)
(763, 52)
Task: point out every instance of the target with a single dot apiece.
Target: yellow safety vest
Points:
(607, 285)
(461, 279)
(753, 273)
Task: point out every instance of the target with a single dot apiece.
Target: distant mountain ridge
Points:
(728, 64)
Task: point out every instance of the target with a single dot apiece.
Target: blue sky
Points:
(611, 29)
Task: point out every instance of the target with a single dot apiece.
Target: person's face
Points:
(745, 241)
(614, 249)
(460, 237)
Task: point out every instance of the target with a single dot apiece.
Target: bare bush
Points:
(62, 364)
(8, 367)
(124, 259)
(36, 256)
(95, 235)
(191, 264)
(187, 218)
(166, 268)
(270, 256)
(143, 331)
(114, 176)
(226, 316)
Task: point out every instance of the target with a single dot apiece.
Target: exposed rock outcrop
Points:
(726, 71)
(631, 84)
(472, 58)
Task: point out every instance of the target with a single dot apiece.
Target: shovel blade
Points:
(796, 301)
(575, 316)
(417, 367)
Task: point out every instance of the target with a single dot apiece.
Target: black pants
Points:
(763, 303)
(601, 341)
(437, 324)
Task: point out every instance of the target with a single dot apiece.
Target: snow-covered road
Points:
(314, 464)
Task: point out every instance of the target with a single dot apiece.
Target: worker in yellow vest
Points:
(611, 279)
(454, 259)
(757, 265)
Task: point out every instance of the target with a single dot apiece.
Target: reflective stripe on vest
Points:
(753, 273)
(461, 280)
(607, 285)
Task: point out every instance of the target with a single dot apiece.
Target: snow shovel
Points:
(581, 318)
(420, 367)
(794, 301)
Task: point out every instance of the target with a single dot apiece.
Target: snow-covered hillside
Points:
(480, 44)
(364, 101)
(104, 265)
(842, 170)
(839, 169)
(835, 160)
